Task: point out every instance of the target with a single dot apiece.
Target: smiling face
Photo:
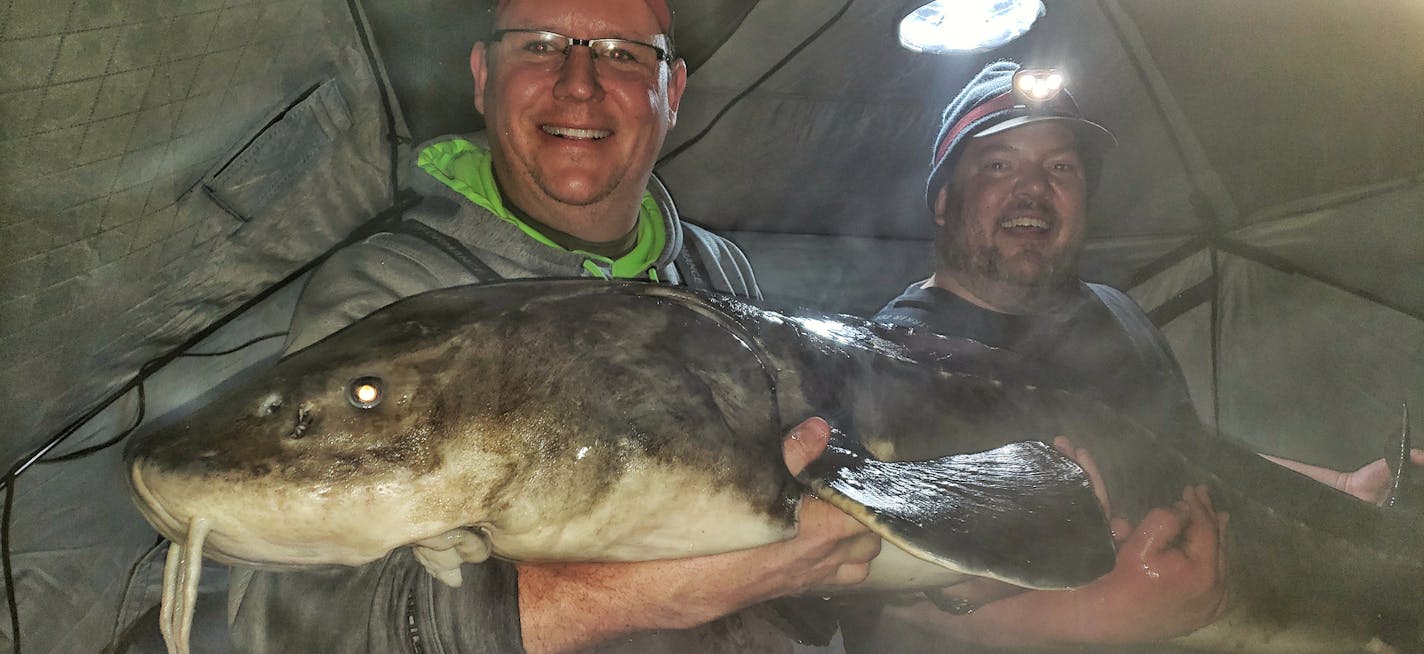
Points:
(1013, 218)
(571, 145)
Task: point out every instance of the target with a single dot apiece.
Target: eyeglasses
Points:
(610, 56)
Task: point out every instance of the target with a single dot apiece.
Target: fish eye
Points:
(365, 392)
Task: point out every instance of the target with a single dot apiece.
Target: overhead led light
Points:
(965, 26)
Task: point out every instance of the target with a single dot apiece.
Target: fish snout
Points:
(151, 506)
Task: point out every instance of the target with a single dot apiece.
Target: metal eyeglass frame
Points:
(662, 53)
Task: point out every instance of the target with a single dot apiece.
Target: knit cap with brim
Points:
(989, 105)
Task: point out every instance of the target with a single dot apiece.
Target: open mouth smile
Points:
(1020, 224)
(575, 133)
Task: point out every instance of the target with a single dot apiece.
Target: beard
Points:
(1025, 282)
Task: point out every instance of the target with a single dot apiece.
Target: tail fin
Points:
(1021, 513)
(1406, 488)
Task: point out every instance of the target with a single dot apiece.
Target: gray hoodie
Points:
(369, 275)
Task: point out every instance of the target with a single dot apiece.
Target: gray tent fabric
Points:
(140, 198)
(165, 164)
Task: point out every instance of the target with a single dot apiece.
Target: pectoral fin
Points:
(443, 555)
(1021, 513)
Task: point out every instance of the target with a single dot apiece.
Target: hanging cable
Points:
(400, 201)
(378, 223)
(142, 400)
(145, 371)
(9, 573)
(394, 140)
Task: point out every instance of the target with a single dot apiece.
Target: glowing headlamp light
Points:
(1038, 85)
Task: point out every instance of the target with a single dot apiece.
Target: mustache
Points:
(1023, 205)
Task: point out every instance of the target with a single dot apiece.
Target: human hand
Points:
(1169, 580)
(1170, 577)
(1372, 481)
(830, 548)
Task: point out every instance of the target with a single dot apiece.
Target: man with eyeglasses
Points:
(577, 97)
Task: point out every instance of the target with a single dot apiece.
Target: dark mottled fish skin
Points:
(1311, 569)
(1298, 552)
(500, 367)
(569, 420)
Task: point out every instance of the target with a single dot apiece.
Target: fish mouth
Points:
(171, 526)
(152, 508)
(244, 527)
(575, 133)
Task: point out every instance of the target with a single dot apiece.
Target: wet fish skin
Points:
(664, 440)
(1311, 569)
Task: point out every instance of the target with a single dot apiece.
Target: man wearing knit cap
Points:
(1012, 169)
(577, 97)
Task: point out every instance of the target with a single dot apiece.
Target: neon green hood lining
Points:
(467, 169)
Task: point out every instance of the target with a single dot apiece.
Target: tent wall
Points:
(161, 164)
(78, 537)
(1312, 372)
(834, 274)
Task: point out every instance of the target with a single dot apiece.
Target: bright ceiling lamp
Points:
(964, 26)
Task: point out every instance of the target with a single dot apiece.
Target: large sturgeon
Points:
(577, 420)
(580, 420)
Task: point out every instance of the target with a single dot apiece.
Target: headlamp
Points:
(1038, 85)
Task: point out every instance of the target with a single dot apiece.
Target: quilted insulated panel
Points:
(160, 163)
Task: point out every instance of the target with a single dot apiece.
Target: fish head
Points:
(329, 456)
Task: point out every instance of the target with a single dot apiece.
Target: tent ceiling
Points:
(1290, 100)
(1293, 100)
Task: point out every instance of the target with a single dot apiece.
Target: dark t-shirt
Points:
(1084, 347)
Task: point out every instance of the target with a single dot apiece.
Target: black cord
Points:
(143, 398)
(9, 573)
(5, 521)
(83, 452)
(236, 348)
(379, 222)
(753, 86)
